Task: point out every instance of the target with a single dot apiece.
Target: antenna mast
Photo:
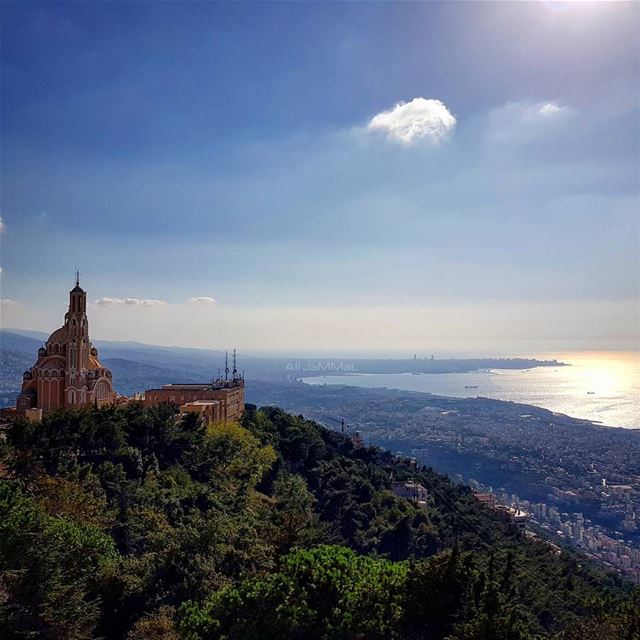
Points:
(226, 365)
(235, 371)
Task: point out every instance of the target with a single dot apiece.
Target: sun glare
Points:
(609, 374)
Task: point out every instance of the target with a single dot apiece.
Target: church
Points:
(67, 372)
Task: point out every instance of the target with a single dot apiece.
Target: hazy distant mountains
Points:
(137, 366)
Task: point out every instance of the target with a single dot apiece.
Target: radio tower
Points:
(235, 371)
(226, 365)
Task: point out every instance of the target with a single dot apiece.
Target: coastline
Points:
(605, 392)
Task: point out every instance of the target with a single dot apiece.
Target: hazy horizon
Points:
(469, 351)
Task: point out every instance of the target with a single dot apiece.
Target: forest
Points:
(125, 523)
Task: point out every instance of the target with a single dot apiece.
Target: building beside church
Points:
(220, 400)
(67, 372)
(216, 401)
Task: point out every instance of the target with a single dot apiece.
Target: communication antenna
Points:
(226, 365)
(235, 371)
(342, 426)
(77, 277)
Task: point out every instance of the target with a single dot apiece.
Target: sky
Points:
(325, 177)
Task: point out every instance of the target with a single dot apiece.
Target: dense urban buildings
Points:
(67, 372)
(572, 527)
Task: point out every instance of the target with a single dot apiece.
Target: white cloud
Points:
(147, 302)
(419, 120)
(551, 110)
(1, 224)
(113, 302)
(7, 301)
(201, 300)
(522, 121)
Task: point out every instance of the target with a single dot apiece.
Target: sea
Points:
(603, 387)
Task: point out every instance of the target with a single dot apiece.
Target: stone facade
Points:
(207, 410)
(228, 393)
(67, 372)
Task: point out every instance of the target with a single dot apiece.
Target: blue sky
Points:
(254, 155)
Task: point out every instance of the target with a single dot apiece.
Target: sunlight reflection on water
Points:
(598, 386)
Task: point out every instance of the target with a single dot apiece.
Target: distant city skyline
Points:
(325, 177)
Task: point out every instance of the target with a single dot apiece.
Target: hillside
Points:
(12, 364)
(126, 523)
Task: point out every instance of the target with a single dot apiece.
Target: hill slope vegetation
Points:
(133, 523)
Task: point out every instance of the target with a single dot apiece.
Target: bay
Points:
(600, 386)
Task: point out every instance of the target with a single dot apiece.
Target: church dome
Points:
(59, 336)
(94, 363)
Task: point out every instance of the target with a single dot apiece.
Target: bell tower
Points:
(77, 297)
(77, 325)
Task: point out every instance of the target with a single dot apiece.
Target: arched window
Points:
(72, 396)
(102, 390)
(73, 354)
